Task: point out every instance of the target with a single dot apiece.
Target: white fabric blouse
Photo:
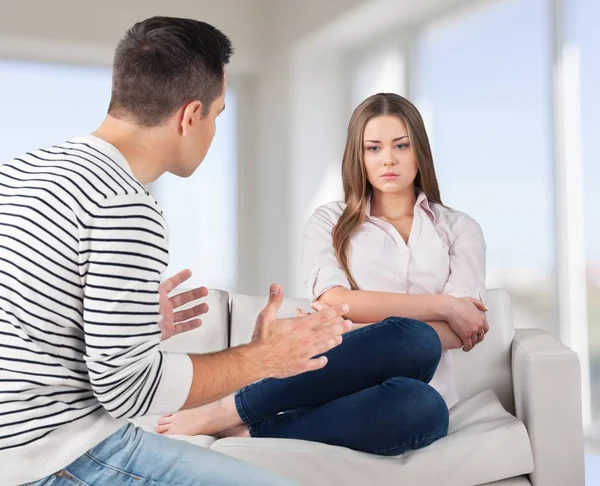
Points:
(445, 254)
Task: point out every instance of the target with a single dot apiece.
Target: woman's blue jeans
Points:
(373, 395)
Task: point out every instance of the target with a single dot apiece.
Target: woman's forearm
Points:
(368, 306)
(447, 336)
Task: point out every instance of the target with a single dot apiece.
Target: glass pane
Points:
(588, 13)
(483, 86)
(47, 103)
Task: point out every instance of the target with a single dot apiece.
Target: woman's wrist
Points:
(445, 307)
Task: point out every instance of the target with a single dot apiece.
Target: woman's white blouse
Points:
(445, 254)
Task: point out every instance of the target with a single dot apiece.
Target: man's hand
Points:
(290, 345)
(467, 320)
(173, 323)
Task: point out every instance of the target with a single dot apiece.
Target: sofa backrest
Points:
(486, 366)
(245, 309)
(213, 335)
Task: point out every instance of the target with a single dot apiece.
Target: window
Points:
(483, 85)
(46, 103)
(586, 14)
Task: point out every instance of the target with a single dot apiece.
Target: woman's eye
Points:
(401, 146)
(373, 148)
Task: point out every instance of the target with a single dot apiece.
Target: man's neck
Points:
(145, 149)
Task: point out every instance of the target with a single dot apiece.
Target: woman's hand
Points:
(468, 321)
(317, 306)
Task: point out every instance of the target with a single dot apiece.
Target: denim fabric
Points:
(373, 395)
(132, 456)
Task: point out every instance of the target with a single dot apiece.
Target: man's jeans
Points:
(373, 395)
(133, 457)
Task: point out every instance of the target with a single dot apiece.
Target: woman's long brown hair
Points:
(357, 188)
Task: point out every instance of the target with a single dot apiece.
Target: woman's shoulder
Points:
(456, 221)
(328, 213)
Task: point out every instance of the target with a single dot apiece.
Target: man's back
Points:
(82, 247)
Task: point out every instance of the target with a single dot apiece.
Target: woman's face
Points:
(390, 162)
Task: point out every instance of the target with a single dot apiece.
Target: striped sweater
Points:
(82, 249)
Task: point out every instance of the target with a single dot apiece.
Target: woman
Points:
(390, 249)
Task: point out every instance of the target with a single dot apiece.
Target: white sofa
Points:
(518, 421)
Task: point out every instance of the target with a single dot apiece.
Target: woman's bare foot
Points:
(209, 419)
(239, 431)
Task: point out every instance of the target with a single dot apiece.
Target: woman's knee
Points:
(421, 408)
(436, 416)
(423, 340)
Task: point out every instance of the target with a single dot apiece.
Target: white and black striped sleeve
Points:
(123, 252)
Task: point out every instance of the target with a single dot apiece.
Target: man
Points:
(82, 248)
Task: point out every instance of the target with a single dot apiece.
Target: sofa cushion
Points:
(213, 335)
(490, 359)
(485, 444)
(518, 481)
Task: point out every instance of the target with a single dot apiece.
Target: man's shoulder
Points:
(109, 171)
(80, 177)
(73, 165)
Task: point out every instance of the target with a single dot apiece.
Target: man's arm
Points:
(122, 253)
(213, 375)
(279, 348)
(219, 374)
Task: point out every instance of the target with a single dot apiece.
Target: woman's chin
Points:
(393, 187)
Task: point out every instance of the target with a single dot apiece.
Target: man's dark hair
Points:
(165, 62)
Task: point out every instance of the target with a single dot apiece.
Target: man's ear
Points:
(191, 114)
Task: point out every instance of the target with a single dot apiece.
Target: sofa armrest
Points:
(547, 391)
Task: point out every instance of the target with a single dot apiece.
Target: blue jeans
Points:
(373, 395)
(134, 457)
